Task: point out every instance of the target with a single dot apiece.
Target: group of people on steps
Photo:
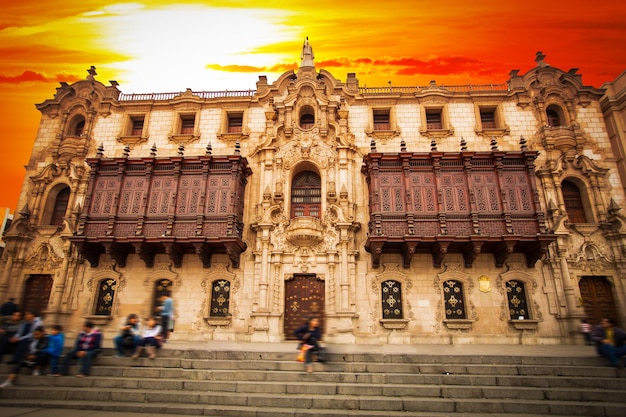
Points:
(31, 345)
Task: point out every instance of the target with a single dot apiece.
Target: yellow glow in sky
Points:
(181, 40)
(161, 46)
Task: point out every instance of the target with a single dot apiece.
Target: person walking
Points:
(309, 336)
(610, 341)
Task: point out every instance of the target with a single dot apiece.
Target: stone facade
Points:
(122, 197)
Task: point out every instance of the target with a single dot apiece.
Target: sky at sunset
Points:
(160, 46)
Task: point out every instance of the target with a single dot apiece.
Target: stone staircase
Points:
(256, 384)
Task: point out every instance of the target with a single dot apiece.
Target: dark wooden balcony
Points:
(176, 206)
(468, 202)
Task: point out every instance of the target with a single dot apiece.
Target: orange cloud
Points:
(234, 68)
(32, 76)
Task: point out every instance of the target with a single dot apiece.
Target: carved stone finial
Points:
(522, 142)
(25, 212)
(92, 73)
(539, 59)
(494, 144)
(613, 207)
(552, 208)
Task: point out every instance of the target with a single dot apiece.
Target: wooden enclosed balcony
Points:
(467, 202)
(177, 206)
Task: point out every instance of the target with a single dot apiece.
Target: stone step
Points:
(177, 352)
(582, 370)
(470, 390)
(131, 409)
(591, 360)
(368, 378)
(274, 384)
(612, 382)
(208, 403)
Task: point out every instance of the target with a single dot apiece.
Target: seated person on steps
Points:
(150, 338)
(88, 345)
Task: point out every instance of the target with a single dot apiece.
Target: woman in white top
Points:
(150, 338)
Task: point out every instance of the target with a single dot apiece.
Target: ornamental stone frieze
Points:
(43, 258)
(306, 149)
(592, 256)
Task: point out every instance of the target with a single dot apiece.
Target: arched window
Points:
(77, 126)
(307, 121)
(60, 206)
(80, 128)
(307, 118)
(106, 295)
(554, 116)
(306, 195)
(573, 202)
(391, 299)
(454, 300)
(516, 297)
(220, 298)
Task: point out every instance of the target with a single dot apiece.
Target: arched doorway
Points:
(597, 298)
(304, 298)
(37, 293)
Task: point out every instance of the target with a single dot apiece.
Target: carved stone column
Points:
(8, 268)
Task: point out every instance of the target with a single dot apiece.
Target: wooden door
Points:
(37, 293)
(598, 301)
(304, 299)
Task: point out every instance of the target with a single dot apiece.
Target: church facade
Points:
(431, 214)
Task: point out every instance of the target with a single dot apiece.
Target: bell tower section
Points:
(305, 216)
